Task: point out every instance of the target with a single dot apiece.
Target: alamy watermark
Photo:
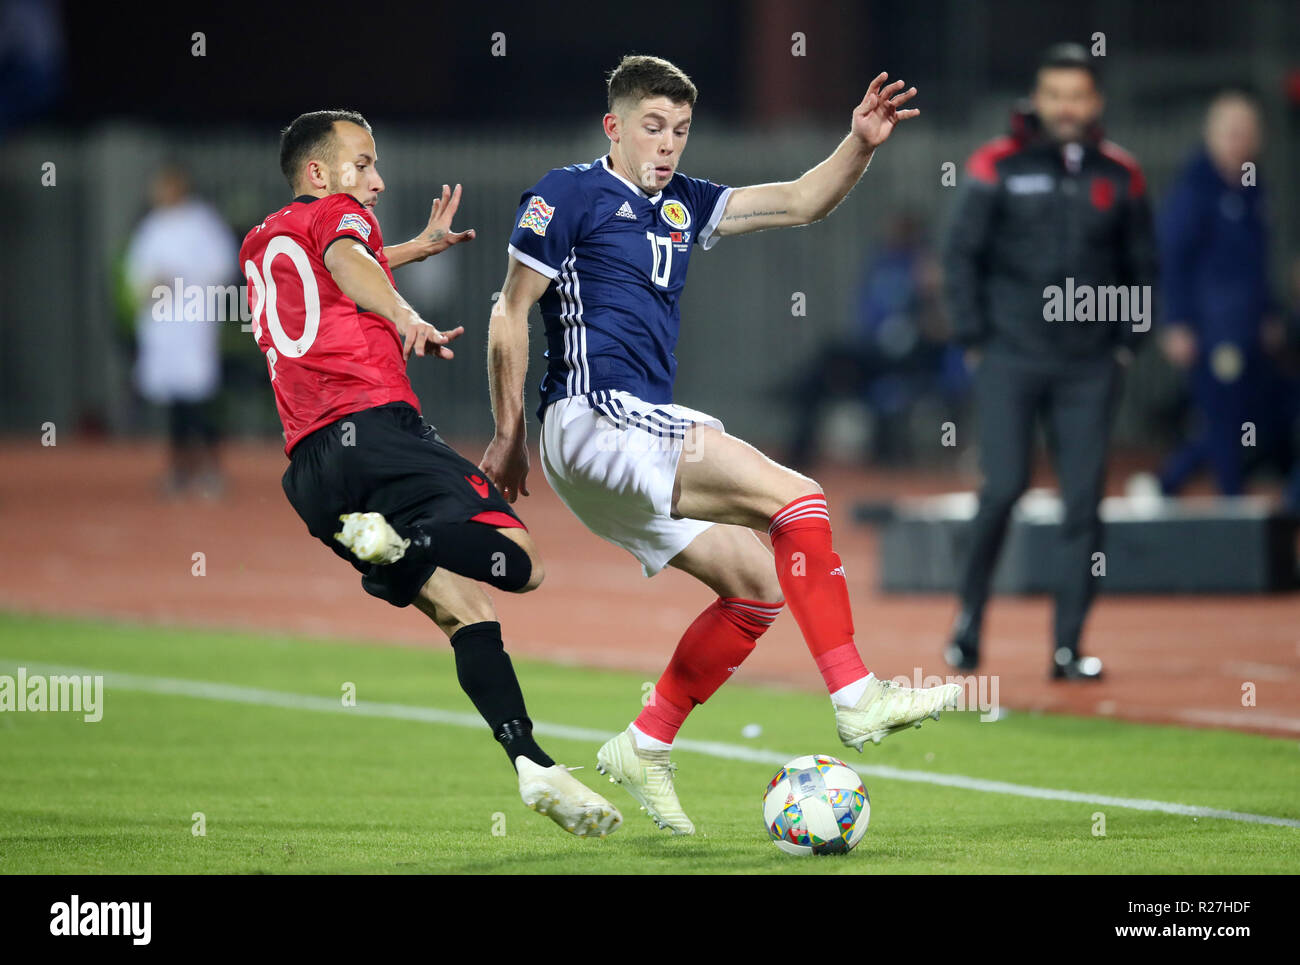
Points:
(978, 691)
(1098, 303)
(130, 919)
(65, 693)
(180, 302)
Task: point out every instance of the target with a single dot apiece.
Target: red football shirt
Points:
(327, 356)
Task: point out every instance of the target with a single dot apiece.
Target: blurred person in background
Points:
(1050, 203)
(897, 353)
(1215, 286)
(181, 243)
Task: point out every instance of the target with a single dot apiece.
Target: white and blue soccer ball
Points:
(816, 805)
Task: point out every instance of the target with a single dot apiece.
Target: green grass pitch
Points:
(294, 790)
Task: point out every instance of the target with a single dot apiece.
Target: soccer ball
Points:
(816, 805)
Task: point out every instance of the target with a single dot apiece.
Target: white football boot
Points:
(885, 707)
(371, 539)
(556, 793)
(648, 776)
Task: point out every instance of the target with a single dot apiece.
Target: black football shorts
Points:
(388, 460)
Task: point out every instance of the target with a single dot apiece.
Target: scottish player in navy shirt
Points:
(604, 247)
(617, 259)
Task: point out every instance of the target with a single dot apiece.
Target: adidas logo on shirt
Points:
(625, 212)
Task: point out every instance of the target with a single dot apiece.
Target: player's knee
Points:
(536, 576)
(760, 587)
(534, 560)
(795, 486)
(526, 571)
(751, 576)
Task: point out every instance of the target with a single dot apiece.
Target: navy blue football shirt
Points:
(617, 260)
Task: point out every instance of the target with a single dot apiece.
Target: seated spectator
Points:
(896, 353)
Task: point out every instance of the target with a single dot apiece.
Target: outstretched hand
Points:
(424, 339)
(879, 113)
(438, 235)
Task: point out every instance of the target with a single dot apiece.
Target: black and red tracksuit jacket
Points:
(1032, 213)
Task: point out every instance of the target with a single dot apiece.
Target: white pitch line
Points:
(206, 690)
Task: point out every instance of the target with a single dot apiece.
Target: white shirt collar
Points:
(1073, 155)
(604, 163)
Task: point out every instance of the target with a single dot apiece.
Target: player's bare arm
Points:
(506, 460)
(813, 196)
(359, 277)
(437, 236)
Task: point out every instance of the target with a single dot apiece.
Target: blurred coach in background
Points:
(1051, 205)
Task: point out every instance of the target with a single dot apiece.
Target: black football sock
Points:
(487, 676)
(474, 550)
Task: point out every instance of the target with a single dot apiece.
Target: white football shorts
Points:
(612, 458)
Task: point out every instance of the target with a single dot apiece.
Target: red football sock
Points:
(812, 577)
(710, 650)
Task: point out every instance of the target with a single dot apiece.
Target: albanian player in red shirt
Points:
(420, 522)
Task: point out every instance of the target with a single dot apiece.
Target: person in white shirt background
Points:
(181, 243)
